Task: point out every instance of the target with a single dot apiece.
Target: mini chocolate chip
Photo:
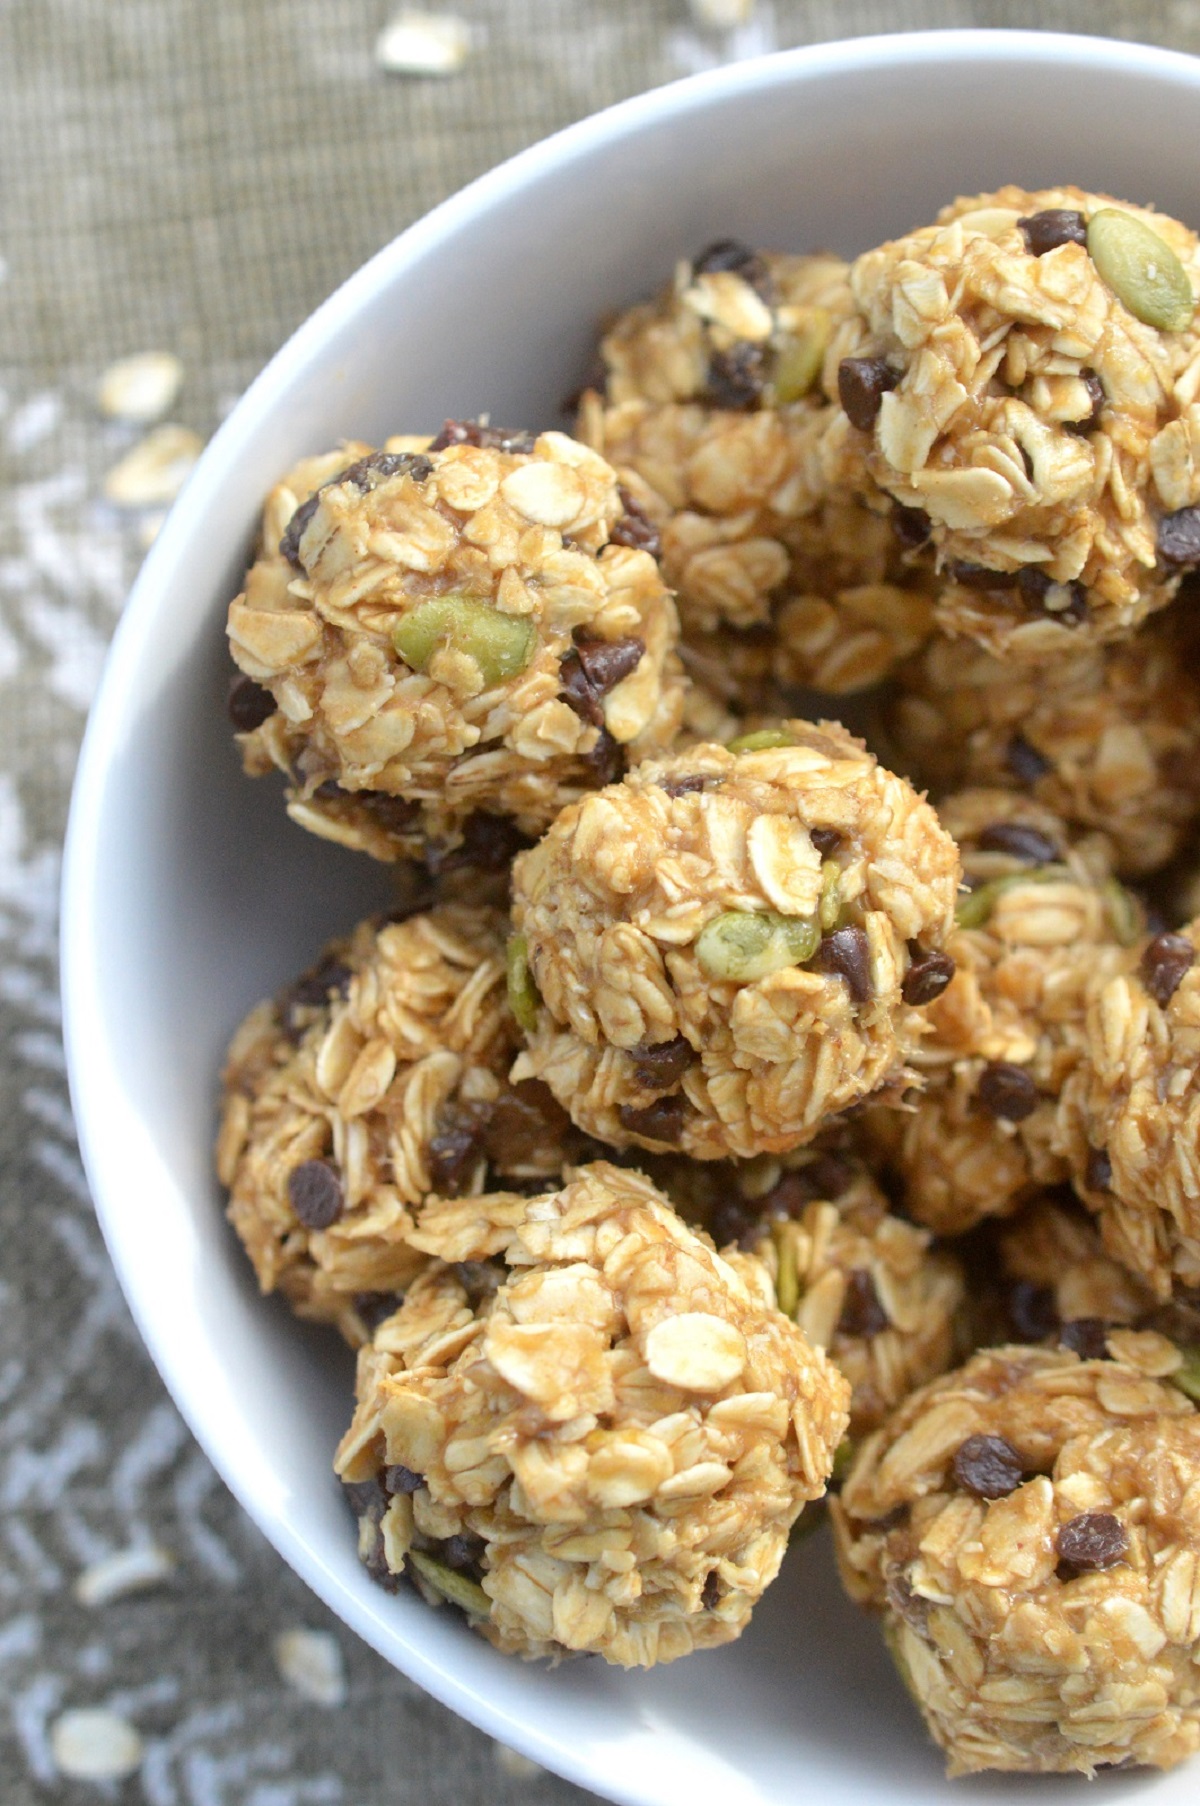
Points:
(490, 438)
(577, 692)
(826, 840)
(1097, 397)
(862, 384)
(489, 843)
(1085, 1336)
(311, 992)
(862, 1312)
(1097, 1175)
(988, 1466)
(979, 576)
(710, 1596)
(660, 1121)
(927, 978)
(912, 527)
(736, 378)
(1024, 761)
(684, 786)
(376, 1307)
(479, 1279)
(635, 528)
(457, 1144)
(379, 467)
(846, 953)
(1179, 537)
(402, 1479)
(249, 704)
(606, 662)
(660, 1064)
(1093, 1540)
(1020, 840)
(1032, 1311)
(1006, 1091)
(293, 533)
(1052, 227)
(315, 1193)
(607, 759)
(1163, 965)
(462, 1551)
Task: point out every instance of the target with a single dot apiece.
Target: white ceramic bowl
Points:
(187, 895)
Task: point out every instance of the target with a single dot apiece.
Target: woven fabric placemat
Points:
(195, 176)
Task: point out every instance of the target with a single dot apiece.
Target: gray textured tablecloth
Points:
(196, 175)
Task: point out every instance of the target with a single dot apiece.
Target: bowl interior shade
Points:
(188, 895)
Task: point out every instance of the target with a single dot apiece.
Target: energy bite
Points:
(1111, 744)
(463, 631)
(1024, 375)
(1041, 918)
(1130, 1114)
(584, 1428)
(378, 1078)
(712, 956)
(1028, 1526)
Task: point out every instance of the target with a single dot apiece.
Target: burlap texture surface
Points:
(197, 175)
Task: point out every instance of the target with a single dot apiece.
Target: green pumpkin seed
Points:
(800, 358)
(523, 994)
(501, 645)
(787, 1277)
(1141, 270)
(830, 906)
(843, 1460)
(743, 945)
(467, 1594)
(765, 738)
(973, 910)
(1187, 1377)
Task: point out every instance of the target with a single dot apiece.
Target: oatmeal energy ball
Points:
(732, 945)
(379, 1077)
(594, 1436)
(469, 629)
(1130, 1114)
(1024, 374)
(1028, 1528)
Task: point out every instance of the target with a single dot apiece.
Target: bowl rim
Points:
(82, 1019)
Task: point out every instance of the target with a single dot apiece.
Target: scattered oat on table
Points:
(419, 43)
(311, 1663)
(141, 388)
(155, 470)
(91, 1744)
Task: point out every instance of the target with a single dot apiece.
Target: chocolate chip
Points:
(1032, 1311)
(1093, 1540)
(1052, 227)
(979, 576)
(607, 759)
(462, 1551)
(684, 786)
(826, 840)
(249, 704)
(1085, 1336)
(1097, 397)
(1006, 1091)
(379, 467)
(912, 527)
(1024, 761)
(927, 978)
(490, 438)
(660, 1121)
(577, 692)
(315, 1193)
(489, 843)
(1020, 841)
(293, 533)
(376, 1307)
(1163, 965)
(1179, 537)
(456, 1145)
(402, 1479)
(659, 1065)
(710, 1596)
(736, 378)
(635, 528)
(846, 953)
(862, 1312)
(988, 1466)
(1097, 1174)
(862, 384)
(479, 1279)
(311, 992)
(606, 662)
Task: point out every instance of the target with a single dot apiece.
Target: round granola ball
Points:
(377, 1078)
(712, 956)
(1111, 745)
(593, 1437)
(1040, 919)
(1130, 1114)
(1028, 1526)
(862, 1283)
(1022, 374)
(462, 631)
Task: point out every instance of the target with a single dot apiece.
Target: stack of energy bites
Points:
(731, 1110)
